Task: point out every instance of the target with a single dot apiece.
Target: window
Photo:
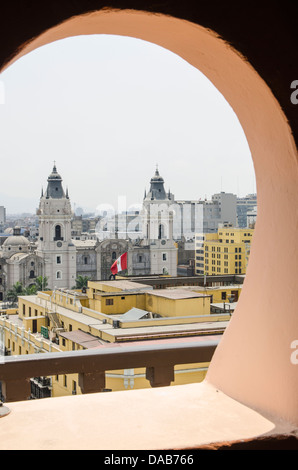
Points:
(223, 296)
(160, 231)
(58, 260)
(58, 275)
(164, 257)
(65, 380)
(58, 232)
(109, 301)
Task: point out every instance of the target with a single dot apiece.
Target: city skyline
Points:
(107, 110)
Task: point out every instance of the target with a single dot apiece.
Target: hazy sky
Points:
(107, 109)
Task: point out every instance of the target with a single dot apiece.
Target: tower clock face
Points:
(59, 244)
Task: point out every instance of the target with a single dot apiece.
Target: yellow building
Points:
(108, 312)
(224, 252)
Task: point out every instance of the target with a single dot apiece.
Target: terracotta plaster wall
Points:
(253, 362)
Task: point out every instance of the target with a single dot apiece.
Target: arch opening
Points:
(258, 315)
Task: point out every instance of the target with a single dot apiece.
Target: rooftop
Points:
(120, 285)
(176, 294)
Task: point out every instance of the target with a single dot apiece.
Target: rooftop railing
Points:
(91, 365)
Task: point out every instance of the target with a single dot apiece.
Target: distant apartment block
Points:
(2, 215)
(226, 252)
(245, 205)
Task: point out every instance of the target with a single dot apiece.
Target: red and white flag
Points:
(119, 264)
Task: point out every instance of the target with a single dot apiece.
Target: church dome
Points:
(54, 188)
(157, 177)
(16, 243)
(157, 190)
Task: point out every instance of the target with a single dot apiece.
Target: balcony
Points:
(91, 364)
(193, 416)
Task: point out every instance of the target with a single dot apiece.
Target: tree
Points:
(41, 283)
(31, 290)
(81, 282)
(16, 290)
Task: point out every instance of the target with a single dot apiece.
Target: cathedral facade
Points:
(61, 259)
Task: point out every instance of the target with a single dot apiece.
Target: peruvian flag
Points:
(119, 264)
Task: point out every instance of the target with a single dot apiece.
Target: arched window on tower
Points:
(58, 233)
(161, 232)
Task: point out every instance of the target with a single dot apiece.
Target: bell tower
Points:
(157, 219)
(54, 244)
